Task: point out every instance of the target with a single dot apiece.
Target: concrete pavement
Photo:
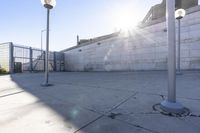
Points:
(96, 102)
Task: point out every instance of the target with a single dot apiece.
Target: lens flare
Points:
(125, 19)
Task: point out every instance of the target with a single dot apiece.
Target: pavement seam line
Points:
(116, 106)
(89, 123)
(92, 86)
(11, 94)
(126, 90)
(165, 95)
(122, 102)
(138, 126)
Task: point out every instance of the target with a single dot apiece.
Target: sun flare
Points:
(125, 19)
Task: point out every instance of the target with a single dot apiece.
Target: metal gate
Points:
(19, 58)
(31, 59)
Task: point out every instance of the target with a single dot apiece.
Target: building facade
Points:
(144, 48)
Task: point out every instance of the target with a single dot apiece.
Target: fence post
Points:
(31, 59)
(44, 59)
(54, 60)
(11, 60)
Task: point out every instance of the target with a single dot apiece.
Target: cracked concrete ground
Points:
(96, 102)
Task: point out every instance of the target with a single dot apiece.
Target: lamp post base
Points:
(172, 107)
(46, 85)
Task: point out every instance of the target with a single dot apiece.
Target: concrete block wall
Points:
(4, 56)
(140, 49)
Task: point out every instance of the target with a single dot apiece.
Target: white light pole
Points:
(179, 14)
(170, 104)
(48, 4)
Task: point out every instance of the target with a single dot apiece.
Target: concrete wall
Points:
(141, 49)
(4, 56)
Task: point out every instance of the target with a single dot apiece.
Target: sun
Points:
(125, 19)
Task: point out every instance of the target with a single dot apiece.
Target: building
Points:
(144, 48)
(159, 10)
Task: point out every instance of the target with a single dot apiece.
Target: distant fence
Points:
(22, 58)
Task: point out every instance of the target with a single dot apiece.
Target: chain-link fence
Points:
(21, 58)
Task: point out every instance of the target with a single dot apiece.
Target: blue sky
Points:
(22, 20)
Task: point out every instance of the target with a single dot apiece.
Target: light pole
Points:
(48, 4)
(170, 104)
(42, 39)
(179, 14)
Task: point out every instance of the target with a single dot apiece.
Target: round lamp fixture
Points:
(48, 3)
(180, 13)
